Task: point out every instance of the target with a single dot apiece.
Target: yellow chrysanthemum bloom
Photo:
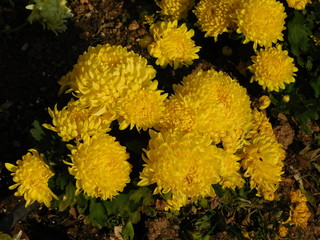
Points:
(218, 100)
(262, 157)
(186, 165)
(31, 176)
(272, 68)
(254, 21)
(142, 108)
(264, 102)
(283, 231)
(299, 213)
(298, 4)
(101, 75)
(99, 165)
(73, 122)
(175, 9)
(167, 49)
(51, 14)
(214, 16)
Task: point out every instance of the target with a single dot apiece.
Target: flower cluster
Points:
(99, 165)
(52, 14)
(175, 9)
(299, 213)
(298, 4)
(272, 68)
(186, 165)
(214, 16)
(262, 157)
(205, 100)
(31, 176)
(103, 80)
(167, 49)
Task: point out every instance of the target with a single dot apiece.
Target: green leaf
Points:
(98, 214)
(37, 131)
(82, 203)
(315, 84)
(298, 34)
(128, 231)
(69, 198)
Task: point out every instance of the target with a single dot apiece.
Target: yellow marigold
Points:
(283, 231)
(181, 113)
(262, 156)
(299, 213)
(264, 102)
(101, 75)
(214, 16)
(185, 164)
(272, 68)
(31, 176)
(262, 160)
(72, 122)
(220, 101)
(167, 49)
(261, 21)
(51, 14)
(99, 165)
(298, 4)
(142, 108)
(175, 9)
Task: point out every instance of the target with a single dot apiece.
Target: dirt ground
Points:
(32, 60)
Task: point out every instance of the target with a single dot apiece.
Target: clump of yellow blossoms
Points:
(262, 157)
(272, 68)
(175, 9)
(142, 108)
(72, 122)
(261, 21)
(172, 44)
(299, 213)
(106, 77)
(51, 13)
(101, 75)
(298, 4)
(186, 165)
(99, 165)
(205, 100)
(31, 176)
(214, 16)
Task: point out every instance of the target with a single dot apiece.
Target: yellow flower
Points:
(31, 176)
(99, 165)
(264, 102)
(286, 98)
(175, 9)
(214, 16)
(254, 21)
(299, 213)
(167, 49)
(73, 122)
(51, 14)
(101, 75)
(262, 157)
(298, 4)
(186, 165)
(180, 113)
(283, 231)
(142, 108)
(215, 99)
(272, 68)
